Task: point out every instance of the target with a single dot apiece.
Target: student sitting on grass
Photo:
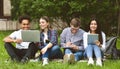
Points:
(72, 41)
(23, 50)
(48, 41)
(97, 46)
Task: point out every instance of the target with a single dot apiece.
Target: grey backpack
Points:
(111, 48)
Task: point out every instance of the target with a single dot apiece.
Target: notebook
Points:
(30, 35)
(92, 38)
(76, 42)
(66, 47)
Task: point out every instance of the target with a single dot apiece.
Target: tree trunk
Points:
(118, 5)
(118, 33)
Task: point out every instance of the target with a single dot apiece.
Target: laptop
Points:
(30, 35)
(92, 38)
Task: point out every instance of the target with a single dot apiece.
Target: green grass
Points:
(108, 64)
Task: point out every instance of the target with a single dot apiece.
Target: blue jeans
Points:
(53, 52)
(78, 54)
(93, 49)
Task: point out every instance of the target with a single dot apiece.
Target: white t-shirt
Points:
(17, 35)
(86, 43)
(45, 37)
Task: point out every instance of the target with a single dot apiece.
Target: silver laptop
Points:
(92, 38)
(30, 35)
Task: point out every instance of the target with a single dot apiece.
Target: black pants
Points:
(19, 54)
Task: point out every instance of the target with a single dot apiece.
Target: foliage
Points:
(105, 10)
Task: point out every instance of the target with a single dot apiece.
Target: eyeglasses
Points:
(74, 29)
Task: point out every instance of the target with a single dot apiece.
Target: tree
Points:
(118, 7)
(105, 10)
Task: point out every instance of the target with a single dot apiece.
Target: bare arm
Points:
(9, 39)
(46, 48)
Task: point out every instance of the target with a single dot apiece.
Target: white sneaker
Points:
(90, 61)
(34, 60)
(69, 58)
(45, 61)
(99, 63)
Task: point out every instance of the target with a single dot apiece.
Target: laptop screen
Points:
(30, 35)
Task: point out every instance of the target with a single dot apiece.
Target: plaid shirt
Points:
(52, 37)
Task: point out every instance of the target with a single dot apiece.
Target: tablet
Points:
(92, 38)
(30, 35)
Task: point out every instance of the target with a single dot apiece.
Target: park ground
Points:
(107, 64)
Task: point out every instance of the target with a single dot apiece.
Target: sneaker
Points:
(24, 60)
(34, 60)
(99, 63)
(90, 62)
(69, 58)
(45, 61)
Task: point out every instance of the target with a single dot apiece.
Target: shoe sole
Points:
(69, 58)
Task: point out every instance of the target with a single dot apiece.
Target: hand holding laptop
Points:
(17, 41)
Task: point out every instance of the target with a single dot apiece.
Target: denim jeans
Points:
(78, 54)
(53, 52)
(92, 48)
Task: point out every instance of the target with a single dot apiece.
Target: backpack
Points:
(111, 48)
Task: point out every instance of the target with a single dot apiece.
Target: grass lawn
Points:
(108, 64)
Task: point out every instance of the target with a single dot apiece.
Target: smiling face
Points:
(25, 25)
(43, 24)
(93, 26)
